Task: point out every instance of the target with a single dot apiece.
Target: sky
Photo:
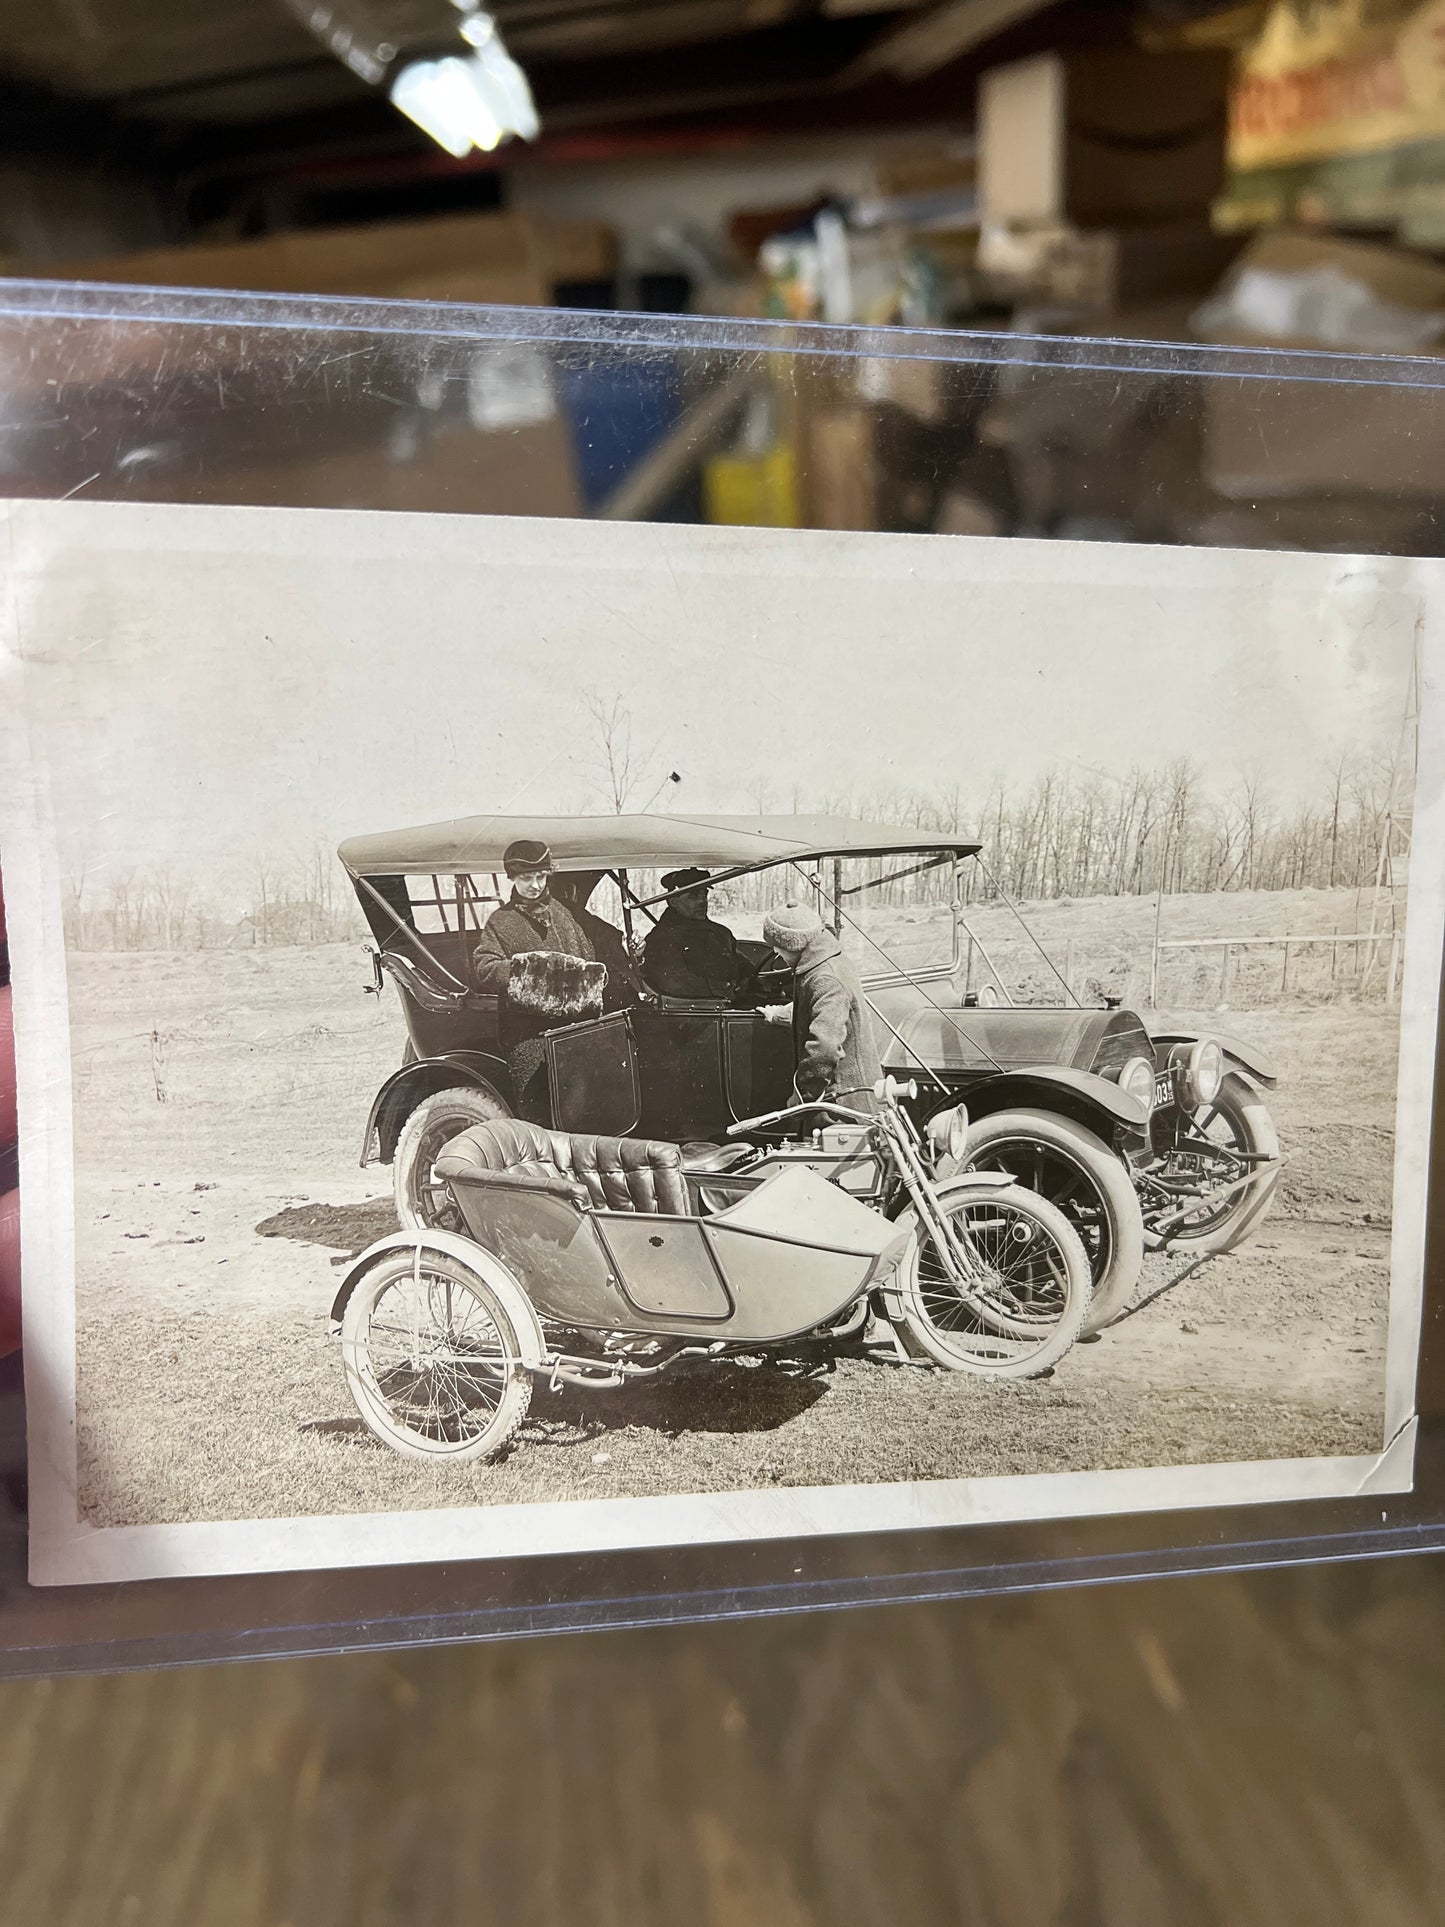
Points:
(220, 686)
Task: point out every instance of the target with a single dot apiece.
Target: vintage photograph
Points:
(544, 1035)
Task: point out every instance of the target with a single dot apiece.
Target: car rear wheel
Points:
(423, 1202)
(1221, 1136)
(433, 1357)
(1076, 1171)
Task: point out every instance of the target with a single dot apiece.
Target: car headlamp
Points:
(948, 1133)
(1198, 1073)
(1137, 1078)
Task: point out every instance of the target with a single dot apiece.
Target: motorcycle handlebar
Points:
(887, 1090)
(796, 1110)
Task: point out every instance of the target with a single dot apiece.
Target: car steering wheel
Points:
(769, 982)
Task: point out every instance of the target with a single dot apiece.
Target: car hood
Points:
(953, 1038)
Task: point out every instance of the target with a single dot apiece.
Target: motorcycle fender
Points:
(519, 1306)
(888, 1291)
(423, 1076)
(1240, 1054)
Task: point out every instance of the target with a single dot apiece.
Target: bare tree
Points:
(624, 772)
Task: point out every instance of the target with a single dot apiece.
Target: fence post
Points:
(1154, 951)
(1284, 975)
(1334, 953)
(1393, 981)
(158, 1065)
(1069, 965)
(1226, 960)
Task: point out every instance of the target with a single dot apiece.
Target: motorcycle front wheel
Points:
(1027, 1300)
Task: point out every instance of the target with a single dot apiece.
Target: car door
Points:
(592, 1069)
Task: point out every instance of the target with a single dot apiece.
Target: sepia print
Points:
(542, 1036)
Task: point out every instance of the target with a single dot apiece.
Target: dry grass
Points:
(203, 1345)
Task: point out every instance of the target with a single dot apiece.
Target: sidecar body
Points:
(602, 1234)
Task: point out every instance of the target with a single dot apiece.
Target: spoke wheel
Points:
(433, 1358)
(1018, 1307)
(1075, 1170)
(423, 1202)
(1208, 1151)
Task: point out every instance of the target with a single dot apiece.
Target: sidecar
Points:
(603, 1235)
(442, 1334)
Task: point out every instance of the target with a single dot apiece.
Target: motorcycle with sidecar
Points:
(599, 1262)
(1144, 1130)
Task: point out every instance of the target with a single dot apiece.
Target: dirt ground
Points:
(219, 1105)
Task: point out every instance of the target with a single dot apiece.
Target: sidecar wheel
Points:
(1033, 1303)
(434, 1358)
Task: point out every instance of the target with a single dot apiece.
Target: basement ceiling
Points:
(180, 64)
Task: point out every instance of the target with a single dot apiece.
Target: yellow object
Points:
(752, 491)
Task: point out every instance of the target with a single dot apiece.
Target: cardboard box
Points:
(1101, 138)
(1105, 269)
(930, 168)
(840, 488)
(1272, 439)
(453, 469)
(503, 258)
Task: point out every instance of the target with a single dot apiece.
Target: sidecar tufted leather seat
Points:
(609, 1173)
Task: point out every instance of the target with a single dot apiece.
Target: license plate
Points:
(1163, 1088)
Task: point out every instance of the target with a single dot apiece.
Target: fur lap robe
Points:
(545, 989)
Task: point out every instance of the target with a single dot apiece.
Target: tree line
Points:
(1072, 832)
(305, 902)
(1077, 832)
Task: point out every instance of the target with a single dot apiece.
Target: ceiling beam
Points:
(958, 26)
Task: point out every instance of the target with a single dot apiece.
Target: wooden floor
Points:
(1266, 1750)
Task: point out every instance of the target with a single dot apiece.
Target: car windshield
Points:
(891, 912)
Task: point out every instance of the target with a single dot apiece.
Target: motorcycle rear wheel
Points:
(1033, 1303)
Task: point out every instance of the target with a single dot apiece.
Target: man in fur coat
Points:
(837, 1053)
(536, 956)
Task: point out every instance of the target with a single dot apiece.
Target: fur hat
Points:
(791, 927)
(548, 984)
(526, 854)
(686, 880)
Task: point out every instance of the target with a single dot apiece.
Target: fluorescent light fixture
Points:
(466, 101)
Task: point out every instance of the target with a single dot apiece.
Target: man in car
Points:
(687, 954)
(539, 960)
(837, 1053)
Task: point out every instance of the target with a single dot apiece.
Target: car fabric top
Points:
(477, 843)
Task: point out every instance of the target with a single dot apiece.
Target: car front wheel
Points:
(1223, 1143)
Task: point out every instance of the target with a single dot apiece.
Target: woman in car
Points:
(537, 958)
